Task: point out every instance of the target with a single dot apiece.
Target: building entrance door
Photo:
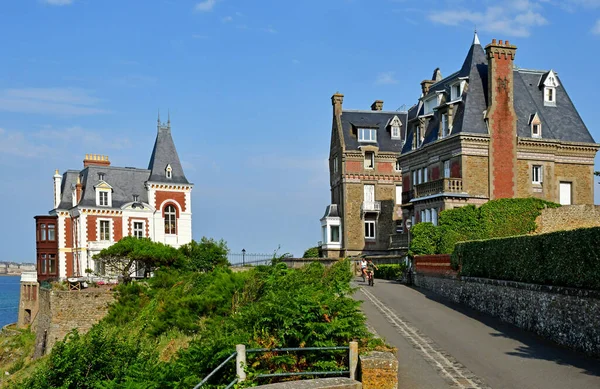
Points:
(565, 193)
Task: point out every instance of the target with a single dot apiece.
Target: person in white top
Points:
(363, 268)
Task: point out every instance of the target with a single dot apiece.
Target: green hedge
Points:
(494, 219)
(563, 258)
(389, 272)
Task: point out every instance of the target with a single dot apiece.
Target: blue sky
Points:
(248, 86)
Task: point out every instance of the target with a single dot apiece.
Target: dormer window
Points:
(100, 176)
(103, 194)
(367, 135)
(445, 126)
(430, 104)
(456, 90)
(395, 127)
(169, 172)
(536, 126)
(550, 83)
(103, 199)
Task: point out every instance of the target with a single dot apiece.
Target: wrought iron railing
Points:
(444, 185)
(371, 206)
(240, 362)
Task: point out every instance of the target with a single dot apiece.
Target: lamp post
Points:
(243, 257)
(409, 262)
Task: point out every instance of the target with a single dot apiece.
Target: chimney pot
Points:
(506, 43)
(377, 105)
(493, 41)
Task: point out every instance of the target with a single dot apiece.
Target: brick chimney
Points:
(78, 189)
(336, 100)
(96, 160)
(502, 120)
(377, 105)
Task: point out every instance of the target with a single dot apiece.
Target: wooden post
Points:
(240, 362)
(353, 359)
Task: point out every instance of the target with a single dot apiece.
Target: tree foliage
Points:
(205, 255)
(312, 252)
(130, 252)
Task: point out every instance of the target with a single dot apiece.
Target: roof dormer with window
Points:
(368, 135)
(103, 194)
(456, 90)
(169, 171)
(549, 82)
(536, 126)
(395, 128)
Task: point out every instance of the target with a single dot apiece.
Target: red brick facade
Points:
(178, 197)
(434, 265)
(92, 227)
(354, 166)
(385, 167)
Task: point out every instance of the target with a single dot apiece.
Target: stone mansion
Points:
(96, 206)
(489, 130)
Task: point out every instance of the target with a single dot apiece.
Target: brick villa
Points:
(99, 204)
(487, 131)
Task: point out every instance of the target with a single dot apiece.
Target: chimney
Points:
(57, 184)
(425, 84)
(502, 120)
(336, 100)
(78, 189)
(95, 160)
(377, 105)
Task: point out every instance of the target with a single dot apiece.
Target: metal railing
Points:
(444, 185)
(251, 259)
(240, 363)
(371, 206)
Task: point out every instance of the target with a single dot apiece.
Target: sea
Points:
(9, 299)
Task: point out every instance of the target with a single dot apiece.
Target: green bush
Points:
(390, 272)
(424, 239)
(313, 252)
(494, 219)
(563, 258)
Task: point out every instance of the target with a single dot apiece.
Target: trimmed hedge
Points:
(563, 258)
(390, 272)
(494, 219)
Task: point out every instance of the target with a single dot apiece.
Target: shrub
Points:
(390, 272)
(424, 239)
(313, 252)
(563, 258)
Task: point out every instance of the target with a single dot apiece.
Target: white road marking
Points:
(450, 368)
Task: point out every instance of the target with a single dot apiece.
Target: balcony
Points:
(371, 206)
(445, 185)
(398, 241)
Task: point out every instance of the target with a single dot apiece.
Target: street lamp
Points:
(243, 257)
(409, 262)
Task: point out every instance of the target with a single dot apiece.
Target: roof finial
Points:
(169, 118)
(158, 120)
(476, 38)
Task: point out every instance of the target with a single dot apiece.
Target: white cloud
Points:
(596, 28)
(386, 78)
(227, 19)
(51, 101)
(515, 18)
(205, 6)
(58, 2)
(15, 143)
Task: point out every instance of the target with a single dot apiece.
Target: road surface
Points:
(444, 345)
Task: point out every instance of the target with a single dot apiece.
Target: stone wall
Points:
(568, 217)
(567, 316)
(62, 311)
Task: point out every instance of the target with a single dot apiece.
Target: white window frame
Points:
(370, 232)
(134, 230)
(414, 180)
(434, 216)
(395, 132)
(101, 235)
(398, 194)
(367, 135)
(430, 104)
(398, 168)
(108, 193)
(419, 176)
(168, 214)
(169, 171)
(331, 228)
(537, 174)
(539, 130)
(447, 168)
(425, 174)
(369, 160)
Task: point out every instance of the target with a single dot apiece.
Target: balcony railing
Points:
(371, 206)
(445, 185)
(398, 241)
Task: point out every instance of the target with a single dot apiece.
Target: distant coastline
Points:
(15, 269)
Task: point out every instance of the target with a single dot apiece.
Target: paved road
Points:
(443, 345)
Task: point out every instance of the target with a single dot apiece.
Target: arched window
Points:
(170, 220)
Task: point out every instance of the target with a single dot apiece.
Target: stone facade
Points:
(568, 217)
(378, 370)
(62, 311)
(566, 316)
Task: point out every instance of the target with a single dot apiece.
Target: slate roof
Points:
(125, 181)
(352, 120)
(561, 122)
(163, 154)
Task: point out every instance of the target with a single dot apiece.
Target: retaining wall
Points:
(62, 311)
(567, 316)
